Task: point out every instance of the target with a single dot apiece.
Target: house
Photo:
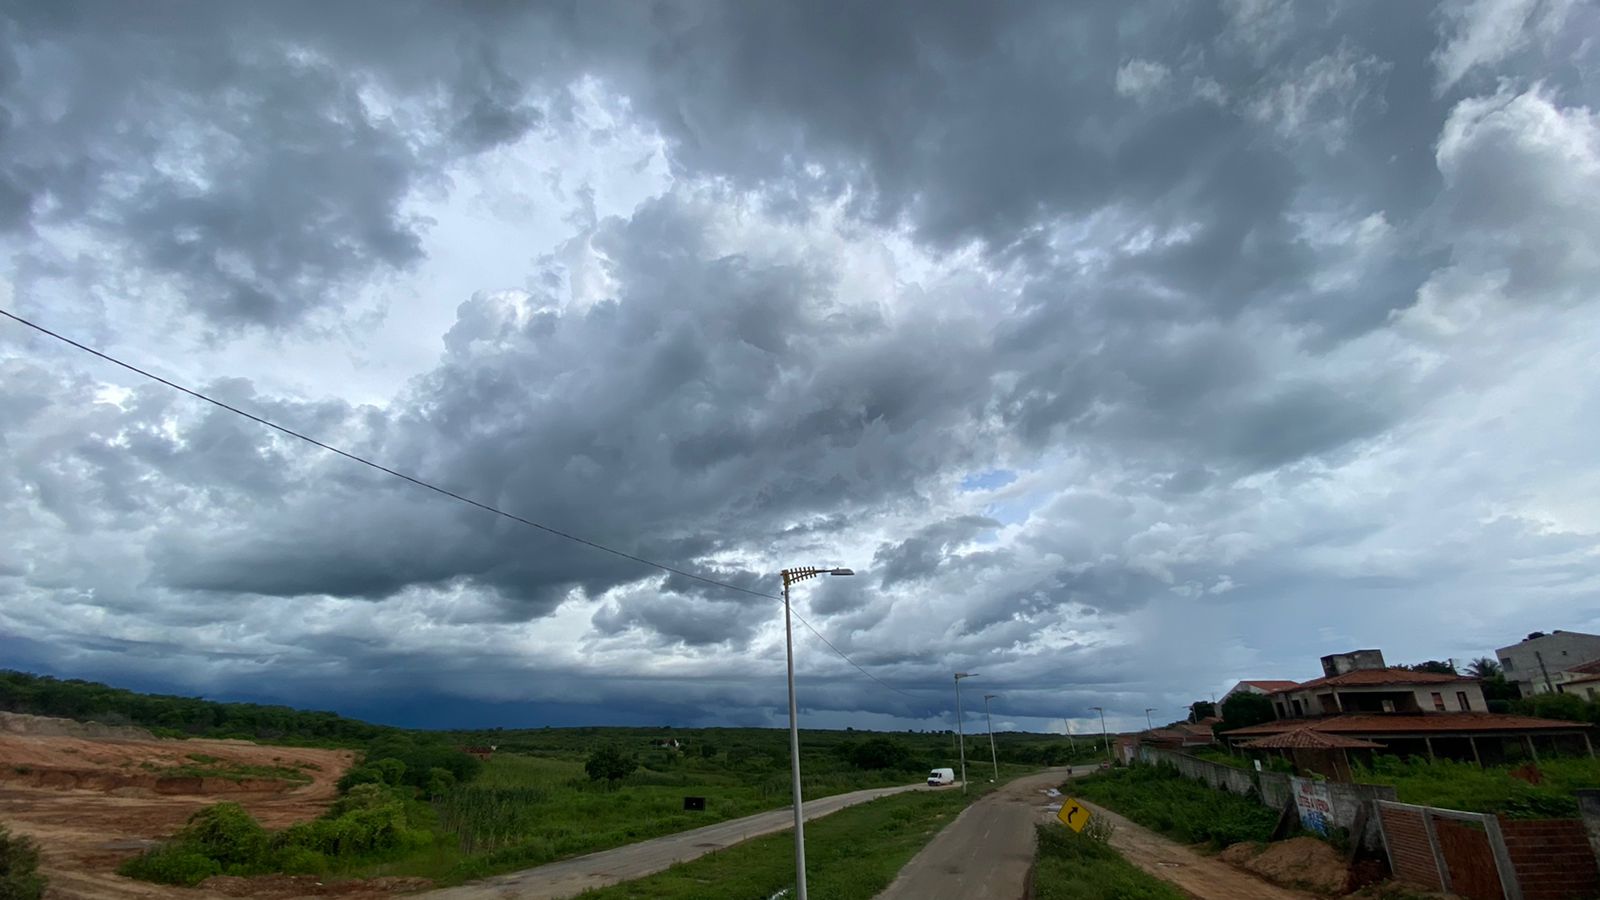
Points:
(1361, 701)
(1540, 663)
(1255, 686)
(1582, 681)
(1481, 737)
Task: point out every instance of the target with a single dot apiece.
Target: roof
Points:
(1410, 723)
(1306, 738)
(1270, 685)
(1582, 679)
(1390, 675)
(1591, 667)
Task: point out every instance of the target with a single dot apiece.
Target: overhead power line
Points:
(433, 487)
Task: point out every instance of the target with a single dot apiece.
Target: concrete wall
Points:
(1448, 691)
(1271, 787)
(1561, 651)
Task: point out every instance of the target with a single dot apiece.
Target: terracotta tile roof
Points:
(1592, 667)
(1408, 723)
(1378, 676)
(1583, 679)
(1271, 686)
(1305, 738)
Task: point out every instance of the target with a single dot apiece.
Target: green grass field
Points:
(1185, 810)
(1073, 866)
(850, 855)
(533, 803)
(1465, 786)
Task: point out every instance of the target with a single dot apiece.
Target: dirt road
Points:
(571, 877)
(985, 854)
(93, 802)
(1202, 877)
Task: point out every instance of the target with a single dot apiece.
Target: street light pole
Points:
(1103, 735)
(790, 576)
(961, 736)
(993, 760)
(1147, 711)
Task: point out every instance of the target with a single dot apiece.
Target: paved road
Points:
(571, 877)
(985, 854)
(1199, 876)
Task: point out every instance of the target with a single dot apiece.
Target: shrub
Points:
(226, 833)
(393, 770)
(440, 781)
(609, 763)
(300, 861)
(1190, 811)
(880, 753)
(19, 868)
(360, 775)
(172, 864)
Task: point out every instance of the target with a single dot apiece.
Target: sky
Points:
(1124, 349)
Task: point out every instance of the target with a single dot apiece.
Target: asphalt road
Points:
(985, 854)
(571, 877)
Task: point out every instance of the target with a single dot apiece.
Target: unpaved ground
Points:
(92, 803)
(1303, 862)
(1202, 877)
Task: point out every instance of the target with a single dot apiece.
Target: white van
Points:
(941, 776)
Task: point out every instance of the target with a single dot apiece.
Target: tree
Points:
(1436, 666)
(1244, 708)
(880, 753)
(1484, 667)
(610, 764)
(1201, 709)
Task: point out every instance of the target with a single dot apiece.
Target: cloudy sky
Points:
(1124, 349)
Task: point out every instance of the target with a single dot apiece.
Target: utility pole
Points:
(789, 577)
(1103, 734)
(1147, 711)
(993, 760)
(961, 737)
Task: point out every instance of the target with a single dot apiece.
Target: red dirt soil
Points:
(91, 804)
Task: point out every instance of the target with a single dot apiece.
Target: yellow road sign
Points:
(1073, 814)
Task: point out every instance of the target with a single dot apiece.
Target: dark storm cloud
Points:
(1188, 232)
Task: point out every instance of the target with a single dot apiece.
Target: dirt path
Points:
(985, 854)
(1201, 876)
(93, 802)
(571, 877)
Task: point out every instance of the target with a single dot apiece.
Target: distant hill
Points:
(88, 701)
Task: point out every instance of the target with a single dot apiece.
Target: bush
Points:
(393, 770)
(880, 753)
(610, 764)
(226, 833)
(300, 861)
(172, 864)
(19, 868)
(440, 782)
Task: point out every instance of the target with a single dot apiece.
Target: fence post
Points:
(1433, 844)
(1589, 809)
(1509, 883)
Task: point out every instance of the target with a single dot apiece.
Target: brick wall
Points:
(1552, 857)
(1410, 853)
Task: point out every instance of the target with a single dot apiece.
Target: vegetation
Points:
(1435, 666)
(1219, 755)
(179, 716)
(851, 855)
(372, 821)
(610, 764)
(1083, 866)
(1201, 709)
(199, 765)
(1243, 709)
(1465, 786)
(1568, 707)
(19, 868)
(1189, 811)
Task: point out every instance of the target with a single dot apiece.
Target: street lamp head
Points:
(961, 675)
(990, 696)
(841, 571)
(1098, 708)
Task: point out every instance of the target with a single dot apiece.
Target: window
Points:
(1461, 698)
(1388, 706)
(1297, 709)
(1282, 713)
(1506, 664)
(1438, 701)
